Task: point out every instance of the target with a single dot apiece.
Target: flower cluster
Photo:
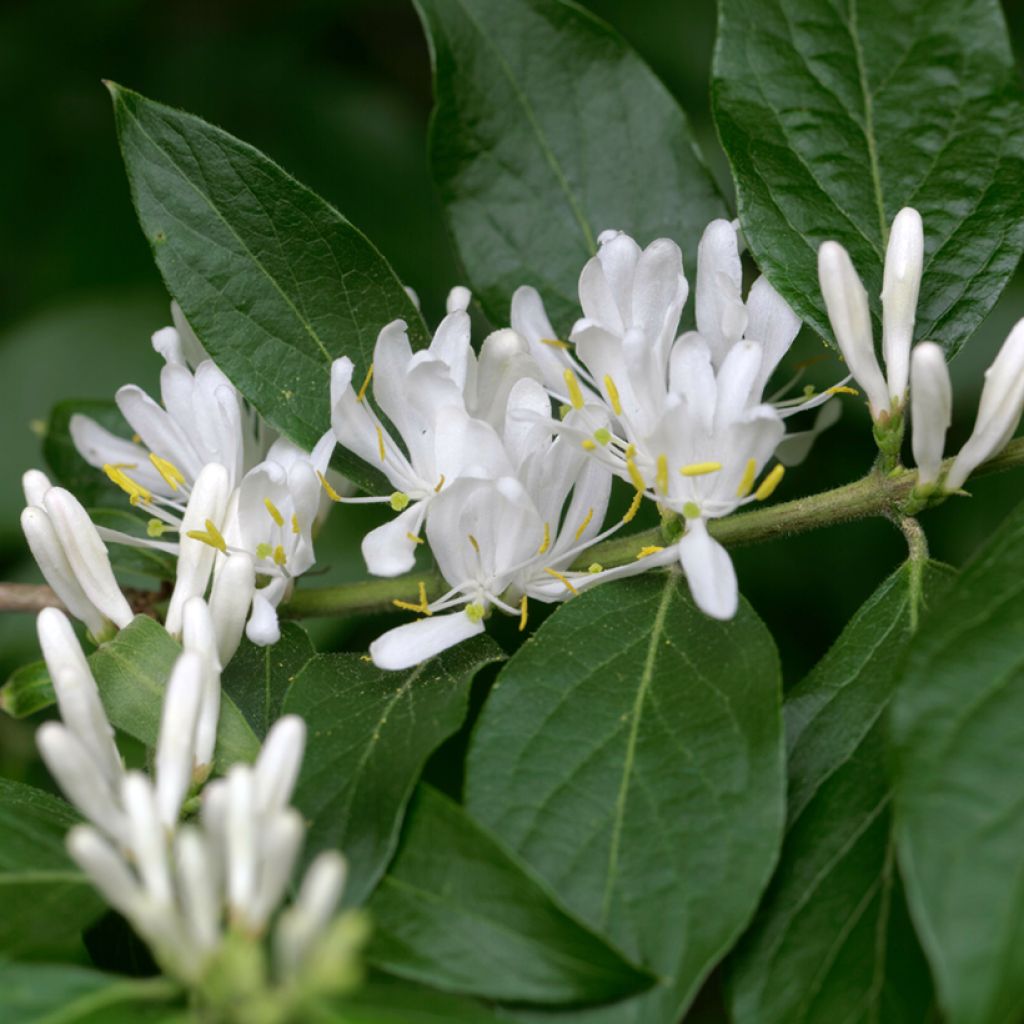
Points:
(200, 893)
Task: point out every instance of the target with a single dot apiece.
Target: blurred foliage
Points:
(338, 92)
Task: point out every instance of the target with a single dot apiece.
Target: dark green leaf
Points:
(832, 940)
(28, 689)
(370, 733)
(158, 565)
(631, 753)
(258, 678)
(391, 1001)
(63, 994)
(548, 129)
(836, 115)
(69, 469)
(958, 730)
(275, 282)
(458, 912)
(46, 900)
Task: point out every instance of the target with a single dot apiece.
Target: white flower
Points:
(847, 303)
(72, 556)
(931, 397)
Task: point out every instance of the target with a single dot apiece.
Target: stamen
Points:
(380, 444)
(331, 492)
(747, 482)
(414, 538)
(295, 524)
(523, 612)
(613, 394)
(700, 468)
(366, 383)
(473, 541)
(173, 476)
(585, 523)
(440, 484)
(475, 612)
(662, 475)
(634, 507)
(770, 482)
(399, 501)
(136, 492)
(211, 535)
(279, 556)
(575, 395)
(555, 343)
(651, 549)
(546, 542)
(634, 474)
(423, 607)
(841, 389)
(562, 579)
(274, 512)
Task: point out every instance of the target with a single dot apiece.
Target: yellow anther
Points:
(155, 528)
(700, 468)
(211, 535)
(331, 492)
(473, 541)
(380, 444)
(575, 395)
(634, 507)
(602, 436)
(523, 613)
(366, 383)
(555, 343)
(588, 445)
(475, 612)
(634, 474)
(366, 657)
(399, 501)
(136, 438)
(173, 476)
(264, 550)
(594, 568)
(585, 523)
(414, 538)
(613, 394)
(841, 389)
(651, 549)
(136, 492)
(749, 476)
(295, 524)
(422, 608)
(770, 482)
(546, 542)
(274, 512)
(563, 580)
(279, 556)
(440, 484)
(661, 478)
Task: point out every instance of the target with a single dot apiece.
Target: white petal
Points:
(692, 376)
(263, 628)
(904, 260)
(99, 447)
(159, 431)
(280, 840)
(530, 320)
(931, 396)
(794, 448)
(390, 550)
(772, 322)
(106, 868)
(408, 645)
(198, 885)
(199, 637)
(175, 747)
(659, 291)
(450, 343)
(709, 571)
(241, 838)
(190, 345)
(34, 485)
(148, 838)
(82, 712)
(277, 767)
(736, 378)
(167, 343)
(230, 600)
(458, 299)
(721, 314)
(505, 358)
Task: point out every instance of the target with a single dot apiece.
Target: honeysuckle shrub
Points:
(619, 814)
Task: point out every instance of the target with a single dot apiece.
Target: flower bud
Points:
(277, 767)
(904, 260)
(147, 839)
(230, 600)
(198, 884)
(458, 299)
(198, 637)
(105, 868)
(281, 840)
(35, 484)
(931, 408)
(175, 750)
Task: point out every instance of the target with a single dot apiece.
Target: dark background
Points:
(339, 93)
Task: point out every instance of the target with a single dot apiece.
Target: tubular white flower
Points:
(280, 840)
(175, 749)
(304, 922)
(106, 869)
(199, 638)
(904, 262)
(34, 485)
(458, 299)
(999, 411)
(241, 848)
(850, 315)
(931, 407)
(148, 838)
(277, 767)
(234, 583)
(199, 885)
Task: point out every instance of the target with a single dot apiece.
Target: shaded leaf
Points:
(28, 689)
(391, 1001)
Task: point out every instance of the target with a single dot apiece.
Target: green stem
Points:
(877, 494)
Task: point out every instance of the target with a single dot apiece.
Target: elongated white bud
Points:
(230, 600)
(198, 885)
(197, 636)
(281, 839)
(241, 841)
(999, 411)
(61, 649)
(175, 750)
(82, 712)
(34, 484)
(148, 838)
(207, 504)
(53, 563)
(850, 315)
(106, 869)
(458, 299)
(277, 767)
(306, 919)
(931, 405)
(87, 555)
(80, 779)
(904, 260)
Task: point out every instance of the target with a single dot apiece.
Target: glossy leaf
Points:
(958, 730)
(370, 733)
(46, 900)
(832, 939)
(458, 912)
(391, 1001)
(631, 753)
(28, 689)
(275, 282)
(549, 129)
(836, 115)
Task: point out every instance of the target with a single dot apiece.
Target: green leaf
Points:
(46, 900)
(836, 115)
(258, 678)
(549, 129)
(391, 1001)
(158, 565)
(131, 671)
(63, 994)
(631, 753)
(958, 730)
(370, 733)
(832, 940)
(460, 913)
(274, 281)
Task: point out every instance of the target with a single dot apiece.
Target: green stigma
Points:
(563, 411)
(602, 436)
(154, 528)
(595, 567)
(474, 612)
(691, 510)
(263, 550)
(399, 501)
